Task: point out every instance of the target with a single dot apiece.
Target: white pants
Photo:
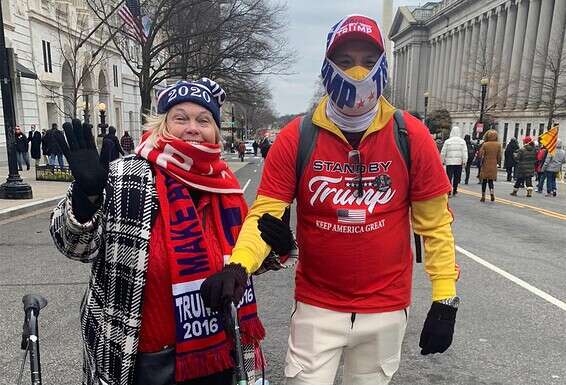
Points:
(371, 344)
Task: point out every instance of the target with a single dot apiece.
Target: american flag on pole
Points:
(351, 216)
(130, 13)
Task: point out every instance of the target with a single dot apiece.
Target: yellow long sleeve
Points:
(250, 249)
(440, 253)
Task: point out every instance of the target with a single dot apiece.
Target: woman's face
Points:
(191, 123)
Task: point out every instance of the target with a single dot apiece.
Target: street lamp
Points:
(14, 187)
(483, 82)
(102, 126)
(86, 113)
(426, 95)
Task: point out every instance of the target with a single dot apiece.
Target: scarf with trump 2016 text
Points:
(202, 346)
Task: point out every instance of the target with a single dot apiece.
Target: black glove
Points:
(438, 329)
(276, 233)
(225, 286)
(82, 156)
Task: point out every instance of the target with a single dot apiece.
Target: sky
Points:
(309, 22)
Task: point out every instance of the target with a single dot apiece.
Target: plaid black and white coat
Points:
(116, 241)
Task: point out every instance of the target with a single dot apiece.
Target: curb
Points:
(29, 207)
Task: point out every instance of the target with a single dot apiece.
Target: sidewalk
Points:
(46, 194)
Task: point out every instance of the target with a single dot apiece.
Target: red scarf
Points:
(202, 347)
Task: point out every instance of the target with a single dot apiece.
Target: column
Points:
(528, 54)
(543, 36)
(432, 63)
(491, 28)
(436, 85)
(517, 56)
(448, 68)
(414, 66)
(452, 70)
(473, 59)
(395, 85)
(457, 92)
(408, 76)
(501, 15)
(442, 67)
(401, 69)
(510, 24)
(466, 66)
(481, 61)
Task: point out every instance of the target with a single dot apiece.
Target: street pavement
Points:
(510, 326)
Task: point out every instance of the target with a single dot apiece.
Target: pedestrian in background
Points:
(127, 143)
(111, 149)
(471, 154)
(552, 166)
(35, 139)
(264, 146)
(255, 146)
(526, 159)
(142, 225)
(490, 158)
(22, 148)
(541, 176)
(510, 162)
(44, 147)
(241, 150)
(454, 155)
(55, 151)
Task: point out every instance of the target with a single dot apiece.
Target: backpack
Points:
(308, 134)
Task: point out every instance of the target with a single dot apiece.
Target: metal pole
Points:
(232, 129)
(15, 187)
(483, 92)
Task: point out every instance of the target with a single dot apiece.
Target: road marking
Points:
(246, 185)
(540, 210)
(512, 278)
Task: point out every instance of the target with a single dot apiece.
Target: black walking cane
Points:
(30, 336)
(239, 369)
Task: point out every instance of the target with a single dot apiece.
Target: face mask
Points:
(354, 92)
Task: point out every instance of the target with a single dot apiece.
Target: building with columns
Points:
(38, 31)
(444, 49)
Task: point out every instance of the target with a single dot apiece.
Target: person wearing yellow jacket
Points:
(356, 200)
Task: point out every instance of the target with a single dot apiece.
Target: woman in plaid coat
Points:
(154, 227)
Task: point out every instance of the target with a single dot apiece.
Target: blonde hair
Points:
(157, 125)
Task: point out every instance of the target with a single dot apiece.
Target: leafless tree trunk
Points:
(233, 41)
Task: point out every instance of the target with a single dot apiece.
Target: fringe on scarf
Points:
(200, 364)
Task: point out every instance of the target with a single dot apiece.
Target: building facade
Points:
(443, 51)
(42, 34)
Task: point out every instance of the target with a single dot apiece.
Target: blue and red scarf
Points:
(198, 247)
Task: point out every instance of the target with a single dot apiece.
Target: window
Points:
(115, 69)
(528, 129)
(505, 132)
(516, 134)
(540, 128)
(47, 67)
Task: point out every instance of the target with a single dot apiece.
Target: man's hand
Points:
(438, 329)
(82, 156)
(276, 233)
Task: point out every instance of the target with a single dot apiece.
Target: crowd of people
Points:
(521, 164)
(44, 148)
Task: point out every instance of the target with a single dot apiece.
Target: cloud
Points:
(309, 22)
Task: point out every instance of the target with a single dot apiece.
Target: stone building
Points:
(38, 31)
(444, 49)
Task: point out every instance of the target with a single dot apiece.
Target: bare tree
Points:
(547, 92)
(79, 57)
(233, 41)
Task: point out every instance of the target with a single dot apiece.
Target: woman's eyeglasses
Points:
(355, 158)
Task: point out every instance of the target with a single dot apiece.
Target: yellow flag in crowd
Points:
(549, 139)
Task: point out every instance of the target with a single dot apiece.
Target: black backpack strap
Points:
(402, 141)
(308, 134)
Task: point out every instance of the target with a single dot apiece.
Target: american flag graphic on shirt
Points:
(351, 216)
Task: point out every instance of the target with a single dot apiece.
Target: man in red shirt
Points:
(356, 198)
